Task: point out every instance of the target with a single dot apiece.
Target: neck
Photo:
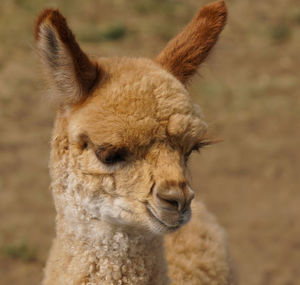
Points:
(102, 253)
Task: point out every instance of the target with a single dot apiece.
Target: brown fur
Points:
(87, 72)
(183, 55)
(118, 170)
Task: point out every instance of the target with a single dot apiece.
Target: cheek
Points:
(89, 164)
(108, 184)
(89, 173)
(91, 196)
(134, 182)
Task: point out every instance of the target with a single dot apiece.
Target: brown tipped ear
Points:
(188, 49)
(74, 75)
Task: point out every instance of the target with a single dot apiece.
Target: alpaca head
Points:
(126, 127)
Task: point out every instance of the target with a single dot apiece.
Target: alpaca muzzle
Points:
(171, 203)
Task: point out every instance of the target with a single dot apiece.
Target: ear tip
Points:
(218, 7)
(221, 7)
(43, 16)
(215, 12)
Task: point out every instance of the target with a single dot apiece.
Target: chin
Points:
(161, 226)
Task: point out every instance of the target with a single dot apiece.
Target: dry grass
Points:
(249, 91)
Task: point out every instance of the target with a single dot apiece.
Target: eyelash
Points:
(187, 155)
(107, 153)
(196, 148)
(110, 155)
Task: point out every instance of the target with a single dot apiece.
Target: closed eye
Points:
(106, 153)
(197, 147)
(110, 155)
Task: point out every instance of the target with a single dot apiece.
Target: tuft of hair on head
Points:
(73, 74)
(184, 53)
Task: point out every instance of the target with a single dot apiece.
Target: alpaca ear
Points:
(73, 74)
(184, 53)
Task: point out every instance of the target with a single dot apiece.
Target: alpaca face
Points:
(125, 127)
(129, 143)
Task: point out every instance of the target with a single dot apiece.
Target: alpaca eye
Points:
(197, 148)
(194, 148)
(110, 155)
(187, 156)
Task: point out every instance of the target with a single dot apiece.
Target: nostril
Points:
(170, 200)
(173, 203)
(170, 203)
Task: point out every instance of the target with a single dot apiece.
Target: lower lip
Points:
(172, 228)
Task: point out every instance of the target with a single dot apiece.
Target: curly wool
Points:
(124, 130)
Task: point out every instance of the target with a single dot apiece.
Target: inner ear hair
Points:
(184, 53)
(67, 66)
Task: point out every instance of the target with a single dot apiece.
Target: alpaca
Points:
(124, 130)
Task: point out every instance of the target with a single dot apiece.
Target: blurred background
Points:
(248, 89)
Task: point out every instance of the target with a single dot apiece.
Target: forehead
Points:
(139, 102)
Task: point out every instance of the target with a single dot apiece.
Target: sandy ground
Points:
(249, 91)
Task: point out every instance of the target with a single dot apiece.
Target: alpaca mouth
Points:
(155, 216)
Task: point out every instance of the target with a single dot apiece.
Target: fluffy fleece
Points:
(124, 130)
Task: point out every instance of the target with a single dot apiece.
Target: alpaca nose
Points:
(177, 197)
